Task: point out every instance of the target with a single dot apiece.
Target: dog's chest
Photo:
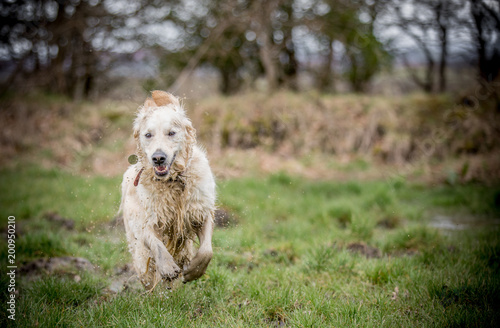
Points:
(173, 207)
(168, 201)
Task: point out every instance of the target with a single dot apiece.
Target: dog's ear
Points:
(162, 98)
(149, 103)
(138, 119)
(136, 129)
(190, 133)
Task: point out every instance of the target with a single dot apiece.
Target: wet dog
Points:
(168, 196)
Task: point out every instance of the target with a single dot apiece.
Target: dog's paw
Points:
(169, 272)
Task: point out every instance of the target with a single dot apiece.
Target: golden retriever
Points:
(168, 196)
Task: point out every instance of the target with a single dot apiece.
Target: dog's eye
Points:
(171, 133)
(148, 135)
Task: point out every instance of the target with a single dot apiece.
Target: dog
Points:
(168, 196)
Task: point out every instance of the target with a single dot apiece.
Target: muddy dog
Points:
(168, 196)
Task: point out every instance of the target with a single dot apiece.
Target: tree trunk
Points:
(230, 83)
(442, 62)
(325, 78)
(266, 57)
(428, 84)
(441, 14)
(266, 49)
(489, 64)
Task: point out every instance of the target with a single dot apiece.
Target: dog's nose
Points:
(159, 158)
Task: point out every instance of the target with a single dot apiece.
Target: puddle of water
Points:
(462, 222)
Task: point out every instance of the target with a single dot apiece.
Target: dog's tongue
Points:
(161, 168)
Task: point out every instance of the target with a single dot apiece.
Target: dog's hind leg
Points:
(199, 263)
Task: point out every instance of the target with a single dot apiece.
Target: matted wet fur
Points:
(168, 196)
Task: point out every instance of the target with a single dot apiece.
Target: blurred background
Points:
(355, 146)
(313, 87)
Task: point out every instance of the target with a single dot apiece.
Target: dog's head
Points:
(164, 134)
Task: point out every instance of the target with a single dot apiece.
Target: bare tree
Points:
(55, 40)
(241, 35)
(486, 34)
(429, 23)
(364, 54)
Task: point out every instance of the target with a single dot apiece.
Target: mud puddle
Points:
(462, 222)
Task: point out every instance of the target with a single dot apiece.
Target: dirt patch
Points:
(65, 264)
(63, 222)
(197, 313)
(389, 222)
(363, 249)
(284, 255)
(225, 218)
(276, 318)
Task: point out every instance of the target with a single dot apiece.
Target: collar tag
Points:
(133, 159)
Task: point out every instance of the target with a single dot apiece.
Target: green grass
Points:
(285, 262)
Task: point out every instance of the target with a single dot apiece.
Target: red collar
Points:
(136, 181)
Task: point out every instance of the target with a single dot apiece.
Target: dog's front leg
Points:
(199, 264)
(165, 263)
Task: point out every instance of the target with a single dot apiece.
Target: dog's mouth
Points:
(163, 170)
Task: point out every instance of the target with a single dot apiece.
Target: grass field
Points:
(296, 253)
